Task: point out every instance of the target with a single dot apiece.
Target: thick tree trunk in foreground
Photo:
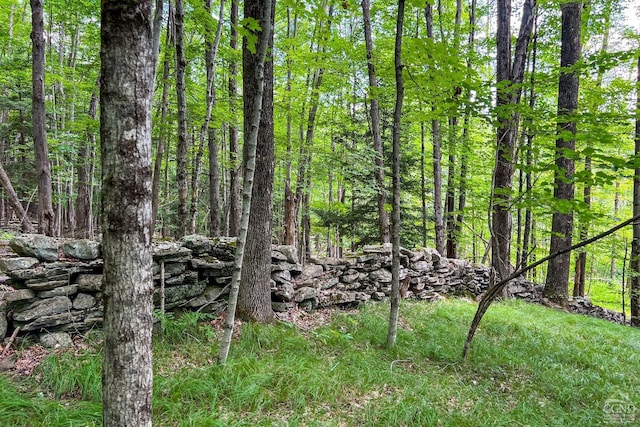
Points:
(45, 206)
(254, 299)
(126, 92)
(395, 216)
(557, 282)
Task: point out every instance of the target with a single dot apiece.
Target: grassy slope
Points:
(529, 365)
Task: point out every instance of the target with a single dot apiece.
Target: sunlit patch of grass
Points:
(529, 365)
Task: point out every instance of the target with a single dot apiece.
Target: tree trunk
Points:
(263, 9)
(86, 157)
(437, 159)
(290, 201)
(254, 299)
(162, 135)
(557, 282)
(14, 202)
(183, 141)
(509, 80)
(126, 92)
(383, 220)
(395, 218)
(234, 182)
(635, 244)
(45, 206)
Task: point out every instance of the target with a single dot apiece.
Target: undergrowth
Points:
(529, 365)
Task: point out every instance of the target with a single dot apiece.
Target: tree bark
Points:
(234, 181)
(126, 92)
(437, 159)
(183, 141)
(509, 79)
(635, 244)
(84, 220)
(45, 206)
(395, 216)
(557, 282)
(250, 142)
(14, 202)
(162, 135)
(254, 299)
(383, 220)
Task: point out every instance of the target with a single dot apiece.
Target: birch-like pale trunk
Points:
(250, 141)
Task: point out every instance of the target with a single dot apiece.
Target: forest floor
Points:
(529, 365)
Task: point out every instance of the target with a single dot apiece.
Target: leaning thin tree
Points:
(250, 141)
(126, 91)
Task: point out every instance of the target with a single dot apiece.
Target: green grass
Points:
(608, 294)
(528, 365)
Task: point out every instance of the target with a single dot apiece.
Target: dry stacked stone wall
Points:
(52, 287)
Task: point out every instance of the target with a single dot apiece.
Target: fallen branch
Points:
(10, 342)
(496, 290)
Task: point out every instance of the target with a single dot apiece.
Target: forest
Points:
(494, 132)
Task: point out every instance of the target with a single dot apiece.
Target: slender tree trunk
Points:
(126, 92)
(395, 218)
(250, 142)
(14, 202)
(635, 244)
(437, 159)
(162, 135)
(423, 186)
(450, 199)
(290, 220)
(509, 78)
(183, 141)
(383, 220)
(86, 157)
(234, 182)
(209, 134)
(254, 299)
(45, 206)
(557, 282)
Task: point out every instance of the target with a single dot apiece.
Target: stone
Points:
(81, 249)
(377, 249)
(381, 276)
(284, 292)
(19, 295)
(310, 271)
(338, 297)
(30, 273)
(66, 290)
(174, 268)
(55, 340)
(179, 293)
(210, 294)
(294, 269)
(43, 308)
(350, 276)
(170, 250)
(54, 321)
(3, 325)
(304, 293)
(89, 282)
(278, 256)
(198, 244)
(223, 267)
(48, 285)
(83, 301)
(35, 245)
(378, 296)
(281, 307)
(328, 283)
(19, 263)
(421, 266)
(291, 252)
(281, 276)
